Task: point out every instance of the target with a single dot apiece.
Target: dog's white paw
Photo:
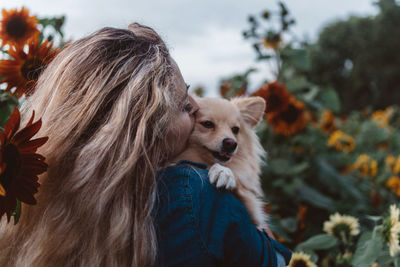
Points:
(221, 176)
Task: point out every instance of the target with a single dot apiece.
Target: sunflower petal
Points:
(31, 158)
(2, 191)
(31, 119)
(13, 124)
(32, 145)
(27, 133)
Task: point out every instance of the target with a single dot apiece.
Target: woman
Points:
(115, 108)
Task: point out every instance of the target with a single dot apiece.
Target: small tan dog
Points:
(224, 138)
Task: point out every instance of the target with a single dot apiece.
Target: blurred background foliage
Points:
(331, 131)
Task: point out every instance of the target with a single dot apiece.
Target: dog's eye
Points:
(235, 130)
(208, 124)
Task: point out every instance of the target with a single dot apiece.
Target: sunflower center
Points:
(291, 114)
(274, 102)
(32, 69)
(16, 27)
(300, 263)
(341, 228)
(12, 159)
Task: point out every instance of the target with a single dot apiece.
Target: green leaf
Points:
(315, 198)
(284, 167)
(289, 224)
(297, 83)
(17, 212)
(7, 105)
(330, 99)
(369, 248)
(397, 262)
(333, 179)
(322, 241)
(311, 94)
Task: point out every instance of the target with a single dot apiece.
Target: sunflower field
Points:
(332, 177)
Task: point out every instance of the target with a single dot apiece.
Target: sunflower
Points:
(301, 259)
(396, 166)
(24, 69)
(289, 121)
(17, 27)
(342, 226)
(327, 124)
(272, 43)
(393, 164)
(22, 163)
(341, 141)
(393, 183)
(276, 96)
(366, 165)
(382, 117)
(391, 230)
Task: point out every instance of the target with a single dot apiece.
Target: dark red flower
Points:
(16, 27)
(24, 69)
(276, 96)
(22, 164)
(289, 121)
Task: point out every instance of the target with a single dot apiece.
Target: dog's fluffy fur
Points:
(236, 170)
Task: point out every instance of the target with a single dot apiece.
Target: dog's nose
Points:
(229, 145)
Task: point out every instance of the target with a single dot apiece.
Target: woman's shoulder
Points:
(183, 173)
(191, 176)
(187, 184)
(198, 223)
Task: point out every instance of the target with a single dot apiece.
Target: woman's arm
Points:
(202, 223)
(229, 233)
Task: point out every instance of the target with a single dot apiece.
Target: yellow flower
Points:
(327, 124)
(301, 259)
(396, 167)
(394, 184)
(392, 230)
(382, 117)
(389, 161)
(272, 42)
(341, 141)
(393, 164)
(366, 165)
(339, 225)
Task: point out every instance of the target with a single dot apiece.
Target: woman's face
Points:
(183, 124)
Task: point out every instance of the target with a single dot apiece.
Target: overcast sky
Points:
(204, 36)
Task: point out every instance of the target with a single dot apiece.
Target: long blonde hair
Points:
(106, 102)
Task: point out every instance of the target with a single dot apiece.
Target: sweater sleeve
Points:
(227, 230)
(203, 226)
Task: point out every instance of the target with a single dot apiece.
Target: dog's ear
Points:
(251, 108)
